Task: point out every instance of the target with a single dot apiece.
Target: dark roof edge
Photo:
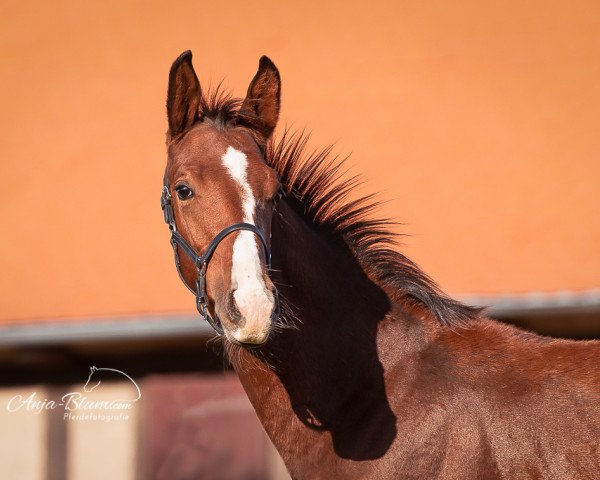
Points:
(538, 303)
(85, 330)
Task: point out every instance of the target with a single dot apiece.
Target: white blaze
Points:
(251, 296)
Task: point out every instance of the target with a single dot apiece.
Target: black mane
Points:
(314, 180)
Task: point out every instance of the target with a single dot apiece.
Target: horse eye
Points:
(184, 192)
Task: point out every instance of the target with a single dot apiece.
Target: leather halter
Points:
(201, 261)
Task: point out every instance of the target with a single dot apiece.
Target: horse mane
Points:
(314, 180)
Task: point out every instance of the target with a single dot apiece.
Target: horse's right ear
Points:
(183, 97)
(260, 109)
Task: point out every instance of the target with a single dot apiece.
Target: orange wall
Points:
(479, 120)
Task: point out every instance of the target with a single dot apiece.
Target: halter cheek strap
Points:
(201, 261)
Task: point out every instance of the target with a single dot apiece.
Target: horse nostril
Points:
(232, 308)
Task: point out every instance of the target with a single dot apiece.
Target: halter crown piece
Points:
(201, 261)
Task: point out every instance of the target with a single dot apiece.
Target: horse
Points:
(357, 364)
(93, 381)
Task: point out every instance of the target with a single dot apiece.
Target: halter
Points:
(201, 261)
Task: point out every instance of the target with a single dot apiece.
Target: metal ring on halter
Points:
(201, 261)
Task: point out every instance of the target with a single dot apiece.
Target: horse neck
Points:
(325, 374)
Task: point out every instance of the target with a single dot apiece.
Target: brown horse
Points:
(369, 370)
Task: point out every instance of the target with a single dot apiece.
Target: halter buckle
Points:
(201, 303)
(167, 207)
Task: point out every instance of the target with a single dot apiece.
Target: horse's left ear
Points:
(183, 96)
(260, 109)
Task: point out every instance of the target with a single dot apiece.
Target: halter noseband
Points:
(201, 261)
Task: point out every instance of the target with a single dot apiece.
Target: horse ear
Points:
(183, 97)
(260, 109)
